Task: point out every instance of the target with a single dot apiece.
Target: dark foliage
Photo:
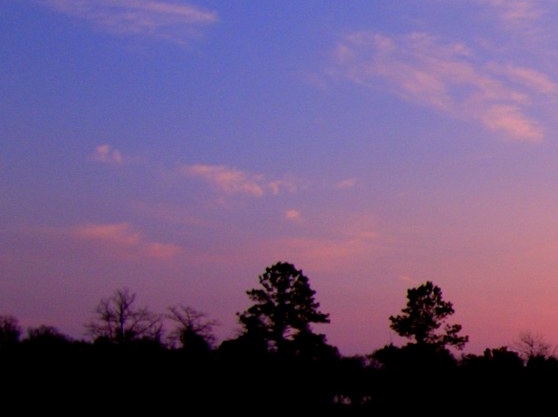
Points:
(149, 378)
(126, 371)
(424, 319)
(282, 313)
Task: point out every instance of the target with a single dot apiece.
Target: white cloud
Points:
(173, 21)
(448, 78)
(105, 154)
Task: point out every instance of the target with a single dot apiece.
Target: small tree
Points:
(194, 332)
(531, 345)
(118, 321)
(423, 319)
(284, 309)
(10, 332)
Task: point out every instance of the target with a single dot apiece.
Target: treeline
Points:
(277, 364)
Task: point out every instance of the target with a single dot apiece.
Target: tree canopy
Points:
(119, 321)
(424, 319)
(284, 309)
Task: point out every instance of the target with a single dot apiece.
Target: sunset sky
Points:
(177, 148)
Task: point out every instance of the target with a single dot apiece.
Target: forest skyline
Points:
(120, 312)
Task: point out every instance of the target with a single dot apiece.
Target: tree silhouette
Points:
(10, 332)
(531, 345)
(119, 322)
(283, 310)
(194, 332)
(423, 319)
(247, 375)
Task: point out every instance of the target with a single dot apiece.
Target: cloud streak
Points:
(347, 183)
(514, 12)
(325, 254)
(172, 21)
(233, 181)
(447, 77)
(123, 241)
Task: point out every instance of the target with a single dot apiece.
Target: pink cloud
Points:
(510, 119)
(231, 181)
(163, 19)
(325, 254)
(513, 11)
(105, 154)
(532, 79)
(234, 181)
(121, 240)
(293, 215)
(348, 183)
(448, 78)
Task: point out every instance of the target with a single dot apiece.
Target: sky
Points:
(178, 148)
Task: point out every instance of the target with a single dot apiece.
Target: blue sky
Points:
(178, 148)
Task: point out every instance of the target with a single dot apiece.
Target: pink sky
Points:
(177, 148)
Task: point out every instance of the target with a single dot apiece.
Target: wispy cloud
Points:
(235, 181)
(529, 24)
(447, 77)
(348, 183)
(123, 241)
(532, 79)
(328, 253)
(407, 279)
(177, 22)
(228, 180)
(293, 215)
(509, 118)
(514, 12)
(331, 240)
(107, 155)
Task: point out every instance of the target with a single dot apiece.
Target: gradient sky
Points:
(177, 148)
